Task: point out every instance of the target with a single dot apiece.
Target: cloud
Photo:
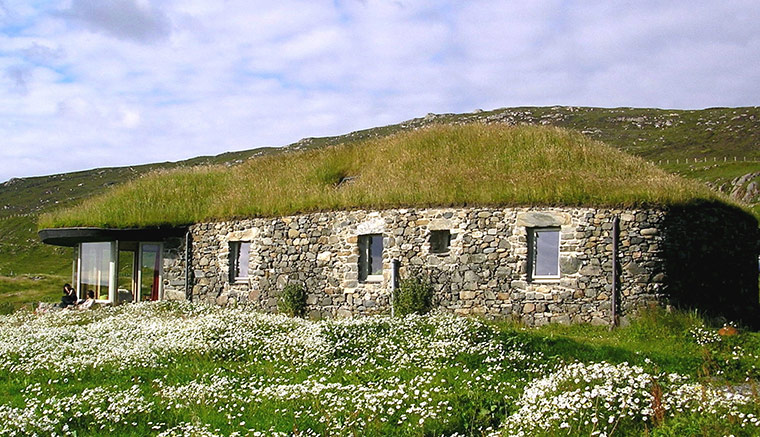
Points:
(237, 74)
(19, 76)
(41, 54)
(124, 19)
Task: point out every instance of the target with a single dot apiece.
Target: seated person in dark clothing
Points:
(69, 296)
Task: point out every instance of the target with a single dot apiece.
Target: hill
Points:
(470, 164)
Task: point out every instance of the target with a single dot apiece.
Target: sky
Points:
(101, 83)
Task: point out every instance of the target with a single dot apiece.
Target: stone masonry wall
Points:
(174, 269)
(484, 272)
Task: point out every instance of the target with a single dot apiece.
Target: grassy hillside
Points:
(442, 165)
(738, 179)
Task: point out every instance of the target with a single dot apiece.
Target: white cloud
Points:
(135, 20)
(118, 82)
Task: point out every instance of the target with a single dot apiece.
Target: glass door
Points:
(149, 273)
(125, 291)
(97, 270)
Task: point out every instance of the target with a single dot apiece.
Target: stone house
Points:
(538, 264)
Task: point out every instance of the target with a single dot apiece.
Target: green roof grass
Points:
(474, 164)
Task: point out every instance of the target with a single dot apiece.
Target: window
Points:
(440, 241)
(543, 246)
(239, 260)
(95, 269)
(371, 257)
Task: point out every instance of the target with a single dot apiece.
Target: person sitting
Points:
(87, 304)
(69, 297)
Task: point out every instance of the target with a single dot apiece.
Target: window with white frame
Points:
(371, 257)
(239, 260)
(543, 247)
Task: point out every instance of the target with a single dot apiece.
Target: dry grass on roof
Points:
(437, 166)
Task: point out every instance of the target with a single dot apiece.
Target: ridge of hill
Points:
(654, 134)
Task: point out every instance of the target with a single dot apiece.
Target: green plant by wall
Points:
(414, 295)
(292, 300)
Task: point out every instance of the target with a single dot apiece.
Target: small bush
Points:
(292, 300)
(414, 295)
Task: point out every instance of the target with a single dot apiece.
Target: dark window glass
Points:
(370, 255)
(440, 241)
(545, 251)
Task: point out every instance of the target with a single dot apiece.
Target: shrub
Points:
(414, 295)
(292, 300)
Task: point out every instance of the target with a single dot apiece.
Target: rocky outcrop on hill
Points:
(745, 188)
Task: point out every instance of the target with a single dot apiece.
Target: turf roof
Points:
(474, 164)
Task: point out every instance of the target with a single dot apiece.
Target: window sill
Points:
(545, 280)
(373, 279)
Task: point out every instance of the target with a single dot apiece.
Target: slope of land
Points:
(443, 165)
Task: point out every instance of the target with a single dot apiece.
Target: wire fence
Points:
(708, 160)
(10, 216)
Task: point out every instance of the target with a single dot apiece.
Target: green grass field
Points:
(183, 369)
(26, 290)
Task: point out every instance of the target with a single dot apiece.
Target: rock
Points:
(593, 268)
(568, 265)
(728, 331)
(542, 219)
(634, 269)
(466, 295)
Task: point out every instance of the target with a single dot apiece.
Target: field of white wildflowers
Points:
(183, 369)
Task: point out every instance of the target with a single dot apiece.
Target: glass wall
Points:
(120, 272)
(95, 261)
(150, 271)
(126, 285)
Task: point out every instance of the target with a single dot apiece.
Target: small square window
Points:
(239, 260)
(543, 245)
(440, 241)
(371, 257)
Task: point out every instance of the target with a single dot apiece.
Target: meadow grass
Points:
(188, 369)
(442, 165)
(25, 290)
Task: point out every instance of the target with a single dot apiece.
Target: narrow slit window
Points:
(440, 241)
(371, 257)
(239, 260)
(544, 251)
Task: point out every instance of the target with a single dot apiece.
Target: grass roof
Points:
(474, 164)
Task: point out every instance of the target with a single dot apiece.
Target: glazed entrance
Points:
(120, 271)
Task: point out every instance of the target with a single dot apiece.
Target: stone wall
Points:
(173, 273)
(484, 272)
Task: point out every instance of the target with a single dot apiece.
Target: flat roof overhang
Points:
(73, 236)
